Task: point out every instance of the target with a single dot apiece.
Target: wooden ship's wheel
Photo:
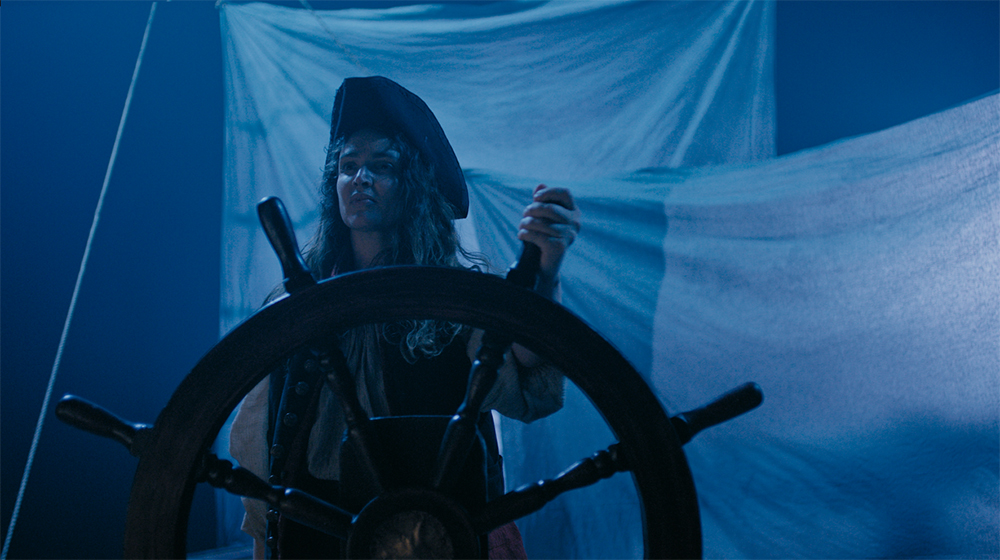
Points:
(174, 453)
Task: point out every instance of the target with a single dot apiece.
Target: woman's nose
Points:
(363, 176)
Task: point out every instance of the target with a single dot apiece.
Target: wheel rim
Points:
(156, 525)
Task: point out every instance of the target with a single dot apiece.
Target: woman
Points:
(392, 188)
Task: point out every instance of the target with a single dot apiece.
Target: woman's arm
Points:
(522, 392)
(552, 222)
(528, 387)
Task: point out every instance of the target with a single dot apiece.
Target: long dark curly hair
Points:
(425, 235)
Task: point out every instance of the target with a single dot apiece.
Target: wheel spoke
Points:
(738, 401)
(359, 431)
(83, 414)
(278, 228)
(295, 504)
(461, 431)
(532, 497)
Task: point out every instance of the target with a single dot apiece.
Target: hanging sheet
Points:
(563, 90)
(560, 90)
(857, 283)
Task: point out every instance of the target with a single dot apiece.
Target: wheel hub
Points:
(413, 523)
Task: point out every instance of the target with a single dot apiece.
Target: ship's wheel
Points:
(175, 452)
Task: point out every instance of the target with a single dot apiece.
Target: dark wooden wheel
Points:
(164, 483)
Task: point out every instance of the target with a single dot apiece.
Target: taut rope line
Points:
(76, 292)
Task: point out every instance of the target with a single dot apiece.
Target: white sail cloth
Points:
(562, 90)
(857, 282)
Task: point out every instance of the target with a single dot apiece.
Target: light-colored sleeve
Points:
(248, 445)
(522, 393)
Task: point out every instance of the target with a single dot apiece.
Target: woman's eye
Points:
(377, 168)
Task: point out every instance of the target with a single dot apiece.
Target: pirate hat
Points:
(382, 104)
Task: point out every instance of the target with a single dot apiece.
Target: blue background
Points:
(148, 306)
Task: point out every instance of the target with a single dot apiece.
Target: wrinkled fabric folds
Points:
(855, 282)
(564, 90)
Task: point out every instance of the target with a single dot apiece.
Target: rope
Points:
(76, 293)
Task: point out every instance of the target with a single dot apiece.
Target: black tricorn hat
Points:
(382, 104)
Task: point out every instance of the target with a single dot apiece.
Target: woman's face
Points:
(368, 183)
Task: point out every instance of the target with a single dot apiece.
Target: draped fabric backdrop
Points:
(855, 282)
(567, 90)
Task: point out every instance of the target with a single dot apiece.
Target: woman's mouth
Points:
(362, 198)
